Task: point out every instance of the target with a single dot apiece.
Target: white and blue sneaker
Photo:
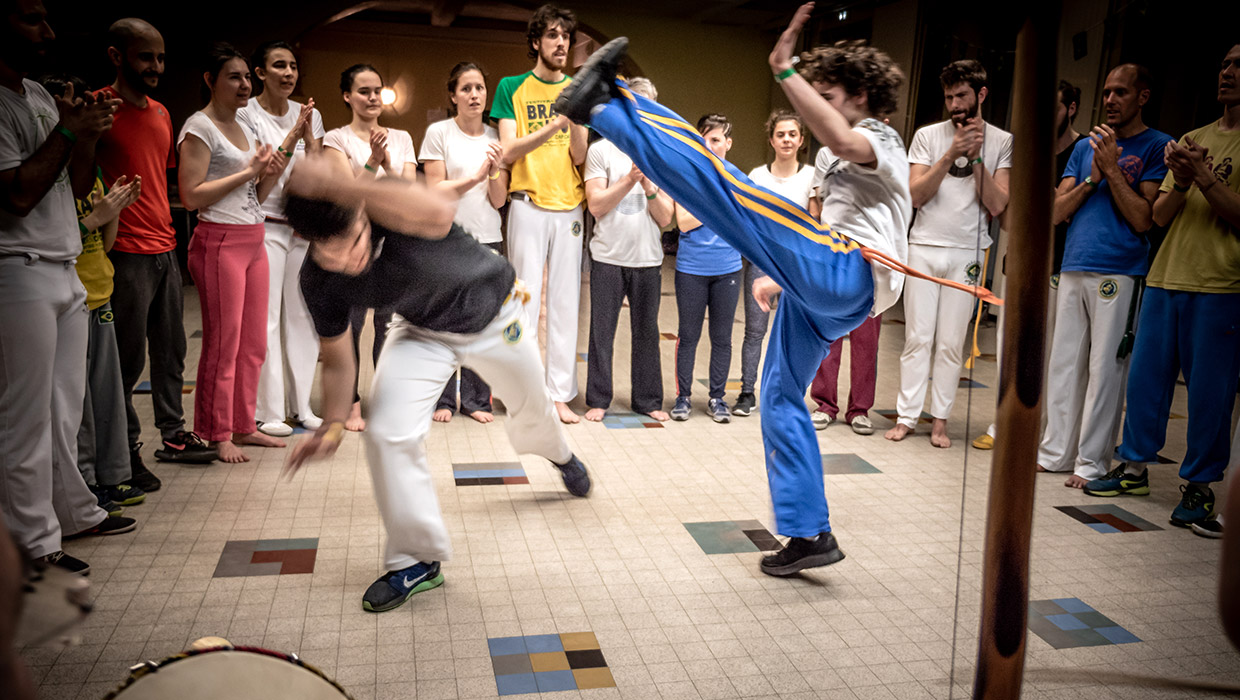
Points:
(395, 587)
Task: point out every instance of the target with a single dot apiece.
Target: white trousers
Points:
(539, 238)
(1085, 385)
(934, 316)
(1052, 298)
(43, 329)
(413, 369)
(292, 345)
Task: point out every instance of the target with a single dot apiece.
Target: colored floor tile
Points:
(621, 420)
(731, 385)
(196, 334)
(891, 415)
(546, 663)
(582, 357)
(267, 557)
(732, 536)
(489, 474)
(669, 336)
(1064, 623)
(847, 464)
(144, 387)
(1108, 518)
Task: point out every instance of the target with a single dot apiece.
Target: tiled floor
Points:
(670, 619)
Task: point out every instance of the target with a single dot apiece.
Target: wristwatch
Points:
(1089, 180)
(961, 162)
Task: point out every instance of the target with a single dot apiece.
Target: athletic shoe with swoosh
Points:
(392, 589)
(188, 448)
(1119, 482)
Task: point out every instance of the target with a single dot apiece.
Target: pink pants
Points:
(229, 266)
(863, 363)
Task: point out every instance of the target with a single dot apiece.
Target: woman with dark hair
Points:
(292, 345)
(225, 173)
(707, 276)
(463, 154)
(367, 150)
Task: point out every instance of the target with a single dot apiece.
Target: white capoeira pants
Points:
(936, 316)
(43, 329)
(413, 369)
(292, 345)
(539, 238)
(1085, 385)
(1052, 299)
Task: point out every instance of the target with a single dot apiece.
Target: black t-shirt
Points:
(1061, 230)
(453, 285)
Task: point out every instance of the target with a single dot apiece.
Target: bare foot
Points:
(258, 439)
(443, 415)
(1042, 468)
(355, 422)
(229, 452)
(1075, 482)
(483, 416)
(566, 414)
(938, 434)
(660, 416)
(898, 433)
(595, 415)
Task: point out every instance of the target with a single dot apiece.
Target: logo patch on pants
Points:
(1054, 281)
(512, 333)
(972, 271)
(1108, 288)
(106, 317)
(576, 228)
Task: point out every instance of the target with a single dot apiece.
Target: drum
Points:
(232, 673)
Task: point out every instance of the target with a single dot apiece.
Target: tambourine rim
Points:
(144, 669)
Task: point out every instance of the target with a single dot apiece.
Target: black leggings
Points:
(694, 294)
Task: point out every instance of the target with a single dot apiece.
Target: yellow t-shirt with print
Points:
(546, 173)
(93, 266)
(1202, 251)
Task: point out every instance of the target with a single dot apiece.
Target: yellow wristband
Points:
(493, 177)
(335, 431)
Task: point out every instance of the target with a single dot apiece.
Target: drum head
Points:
(231, 674)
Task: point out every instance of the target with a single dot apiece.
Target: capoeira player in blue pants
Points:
(829, 284)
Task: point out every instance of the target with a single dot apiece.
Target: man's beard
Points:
(1063, 127)
(549, 60)
(960, 120)
(137, 80)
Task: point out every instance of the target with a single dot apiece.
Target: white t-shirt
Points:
(872, 206)
(357, 150)
(239, 206)
(462, 156)
(50, 229)
(796, 188)
(954, 215)
(627, 235)
(271, 130)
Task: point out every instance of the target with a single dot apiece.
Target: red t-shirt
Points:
(140, 142)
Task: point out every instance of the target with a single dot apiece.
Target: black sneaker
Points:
(122, 494)
(61, 560)
(1196, 505)
(800, 554)
(141, 476)
(576, 479)
(395, 587)
(594, 82)
(188, 448)
(106, 504)
(745, 403)
(111, 525)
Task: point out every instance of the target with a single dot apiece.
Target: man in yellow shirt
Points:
(1190, 319)
(545, 227)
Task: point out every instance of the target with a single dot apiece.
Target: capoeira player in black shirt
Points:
(392, 244)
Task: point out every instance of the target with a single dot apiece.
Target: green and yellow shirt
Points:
(93, 266)
(547, 173)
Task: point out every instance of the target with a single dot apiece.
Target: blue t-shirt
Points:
(1099, 237)
(703, 252)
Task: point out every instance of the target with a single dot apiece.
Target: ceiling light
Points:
(387, 96)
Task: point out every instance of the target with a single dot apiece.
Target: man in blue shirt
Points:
(1107, 191)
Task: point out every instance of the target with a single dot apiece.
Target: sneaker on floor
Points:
(188, 448)
(821, 419)
(311, 423)
(745, 404)
(141, 476)
(576, 479)
(1118, 482)
(105, 504)
(593, 83)
(395, 587)
(801, 553)
(1196, 505)
(861, 425)
(719, 411)
(983, 442)
(61, 560)
(121, 494)
(1210, 527)
(275, 429)
(682, 409)
(111, 525)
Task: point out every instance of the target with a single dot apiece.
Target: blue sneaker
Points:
(719, 411)
(682, 409)
(1196, 505)
(395, 587)
(1118, 482)
(576, 479)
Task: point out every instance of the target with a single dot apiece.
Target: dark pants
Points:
(694, 294)
(863, 372)
(147, 304)
(475, 393)
(609, 285)
(756, 321)
(379, 323)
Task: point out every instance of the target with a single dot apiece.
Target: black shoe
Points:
(188, 448)
(105, 503)
(111, 525)
(61, 560)
(141, 476)
(745, 404)
(392, 589)
(801, 553)
(594, 83)
(576, 480)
